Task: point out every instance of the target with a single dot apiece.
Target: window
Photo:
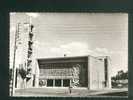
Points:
(66, 82)
(49, 82)
(58, 82)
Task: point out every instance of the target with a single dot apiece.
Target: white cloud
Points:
(116, 52)
(36, 43)
(55, 50)
(72, 49)
(75, 45)
(102, 50)
(105, 51)
(76, 48)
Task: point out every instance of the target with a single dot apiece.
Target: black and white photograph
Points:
(77, 54)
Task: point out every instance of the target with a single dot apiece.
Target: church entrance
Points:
(55, 83)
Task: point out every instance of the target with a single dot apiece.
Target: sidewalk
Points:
(63, 92)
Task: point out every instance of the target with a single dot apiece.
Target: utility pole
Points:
(14, 58)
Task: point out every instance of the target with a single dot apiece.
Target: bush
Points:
(22, 73)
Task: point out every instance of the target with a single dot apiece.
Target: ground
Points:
(63, 92)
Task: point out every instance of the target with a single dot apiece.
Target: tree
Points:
(121, 75)
(23, 74)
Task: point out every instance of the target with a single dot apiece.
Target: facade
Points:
(83, 71)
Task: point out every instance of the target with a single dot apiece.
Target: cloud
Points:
(34, 15)
(37, 43)
(106, 51)
(72, 49)
(75, 45)
(55, 49)
(102, 50)
(116, 52)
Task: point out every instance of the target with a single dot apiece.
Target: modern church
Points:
(76, 72)
(81, 71)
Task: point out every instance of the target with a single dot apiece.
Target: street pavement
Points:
(64, 92)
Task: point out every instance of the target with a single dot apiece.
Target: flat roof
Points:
(65, 57)
(70, 57)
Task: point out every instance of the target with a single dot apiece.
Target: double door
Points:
(58, 82)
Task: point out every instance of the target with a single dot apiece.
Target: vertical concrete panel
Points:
(96, 73)
(88, 67)
(19, 82)
(108, 72)
(61, 82)
(36, 72)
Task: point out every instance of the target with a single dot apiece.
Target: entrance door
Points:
(66, 82)
(50, 83)
(58, 82)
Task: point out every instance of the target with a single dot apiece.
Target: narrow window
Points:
(58, 82)
(49, 82)
(66, 82)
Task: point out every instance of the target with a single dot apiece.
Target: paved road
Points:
(82, 92)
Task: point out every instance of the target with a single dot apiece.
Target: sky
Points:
(77, 34)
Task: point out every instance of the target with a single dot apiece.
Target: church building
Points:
(79, 71)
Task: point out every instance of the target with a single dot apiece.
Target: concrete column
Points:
(53, 82)
(88, 72)
(36, 72)
(108, 72)
(109, 82)
(61, 82)
(37, 81)
(109, 76)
